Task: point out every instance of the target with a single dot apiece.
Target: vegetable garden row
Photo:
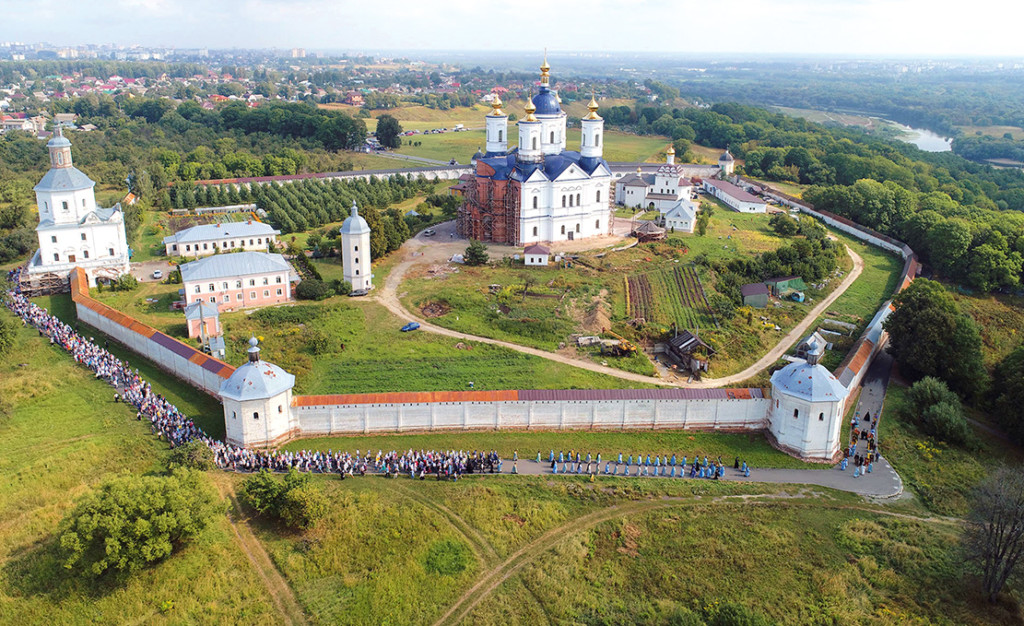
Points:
(669, 296)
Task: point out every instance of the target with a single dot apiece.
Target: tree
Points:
(476, 253)
(130, 522)
(295, 501)
(929, 336)
(193, 455)
(938, 411)
(704, 217)
(389, 132)
(312, 289)
(784, 225)
(1008, 381)
(994, 533)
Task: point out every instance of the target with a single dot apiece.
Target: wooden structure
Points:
(689, 352)
(647, 231)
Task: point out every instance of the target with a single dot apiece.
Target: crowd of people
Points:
(863, 429)
(171, 425)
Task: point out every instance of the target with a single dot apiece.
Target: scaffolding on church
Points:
(488, 216)
(46, 284)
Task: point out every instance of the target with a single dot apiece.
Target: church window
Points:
(56, 257)
(357, 272)
(563, 229)
(234, 415)
(206, 247)
(60, 158)
(796, 413)
(534, 231)
(597, 224)
(53, 239)
(255, 415)
(535, 202)
(280, 409)
(188, 248)
(534, 143)
(570, 199)
(821, 417)
(357, 248)
(501, 134)
(578, 199)
(277, 280)
(577, 228)
(598, 195)
(563, 202)
(85, 253)
(259, 241)
(552, 137)
(65, 205)
(597, 140)
(250, 242)
(46, 206)
(356, 260)
(83, 203)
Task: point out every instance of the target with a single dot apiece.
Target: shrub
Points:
(476, 253)
(126, 282)
(130, 522)
(733, 614)
(295, 501)
(341, 287)
(318, 341)
(937, 409)
(193, 455)
(7, 330)
(784, 225)
(312, 289)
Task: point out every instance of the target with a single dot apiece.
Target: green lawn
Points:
(64, 434)
(368, 353)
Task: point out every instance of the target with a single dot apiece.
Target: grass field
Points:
(377, 357)
(941, 475)
(461, 146)
(994, 131)
(64, 434)
(1000, 319)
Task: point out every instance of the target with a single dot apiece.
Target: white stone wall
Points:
(812, 432)
(258, 422)
(166, 359)
(748, 414)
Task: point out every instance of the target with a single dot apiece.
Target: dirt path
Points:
(420, 250)
(280, 592)
(490, 581)
(480, 546)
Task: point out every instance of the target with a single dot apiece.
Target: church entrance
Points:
(570, 235)
(71, 258)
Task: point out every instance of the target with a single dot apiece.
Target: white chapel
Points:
(73, 231)
(355, 251)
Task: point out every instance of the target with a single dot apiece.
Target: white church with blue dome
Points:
(73, 231)
(538, 191)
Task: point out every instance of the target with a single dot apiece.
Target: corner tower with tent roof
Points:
(257, 401)
(540, 190)
(73, 231)
(355, 251)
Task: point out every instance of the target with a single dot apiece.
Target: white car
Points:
(157, 275)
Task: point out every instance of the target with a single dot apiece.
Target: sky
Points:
(936, 28)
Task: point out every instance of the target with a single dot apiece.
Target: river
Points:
(922, 138)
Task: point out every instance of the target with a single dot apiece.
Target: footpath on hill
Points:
(421, 249)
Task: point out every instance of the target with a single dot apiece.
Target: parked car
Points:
(410, 326)
(158, 275)
(355, 293)
(430, 232)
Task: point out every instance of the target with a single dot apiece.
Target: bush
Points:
(193, 455)
(7, 330)
(125, 282)
(318, 341)
(784, 225)
(130, 522)
(938, 411)
(295, 501)
(341, 287)
(733, 614)
(312, 289)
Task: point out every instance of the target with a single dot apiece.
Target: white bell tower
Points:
(592, 132)
(355, 251)
(497, 128)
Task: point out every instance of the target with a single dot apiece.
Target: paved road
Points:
(420, 249)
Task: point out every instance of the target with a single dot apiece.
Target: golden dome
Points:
(592, 105)
(530, 108)
(496, 107)
(639, 170)
(544, 69)
(671, 150)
